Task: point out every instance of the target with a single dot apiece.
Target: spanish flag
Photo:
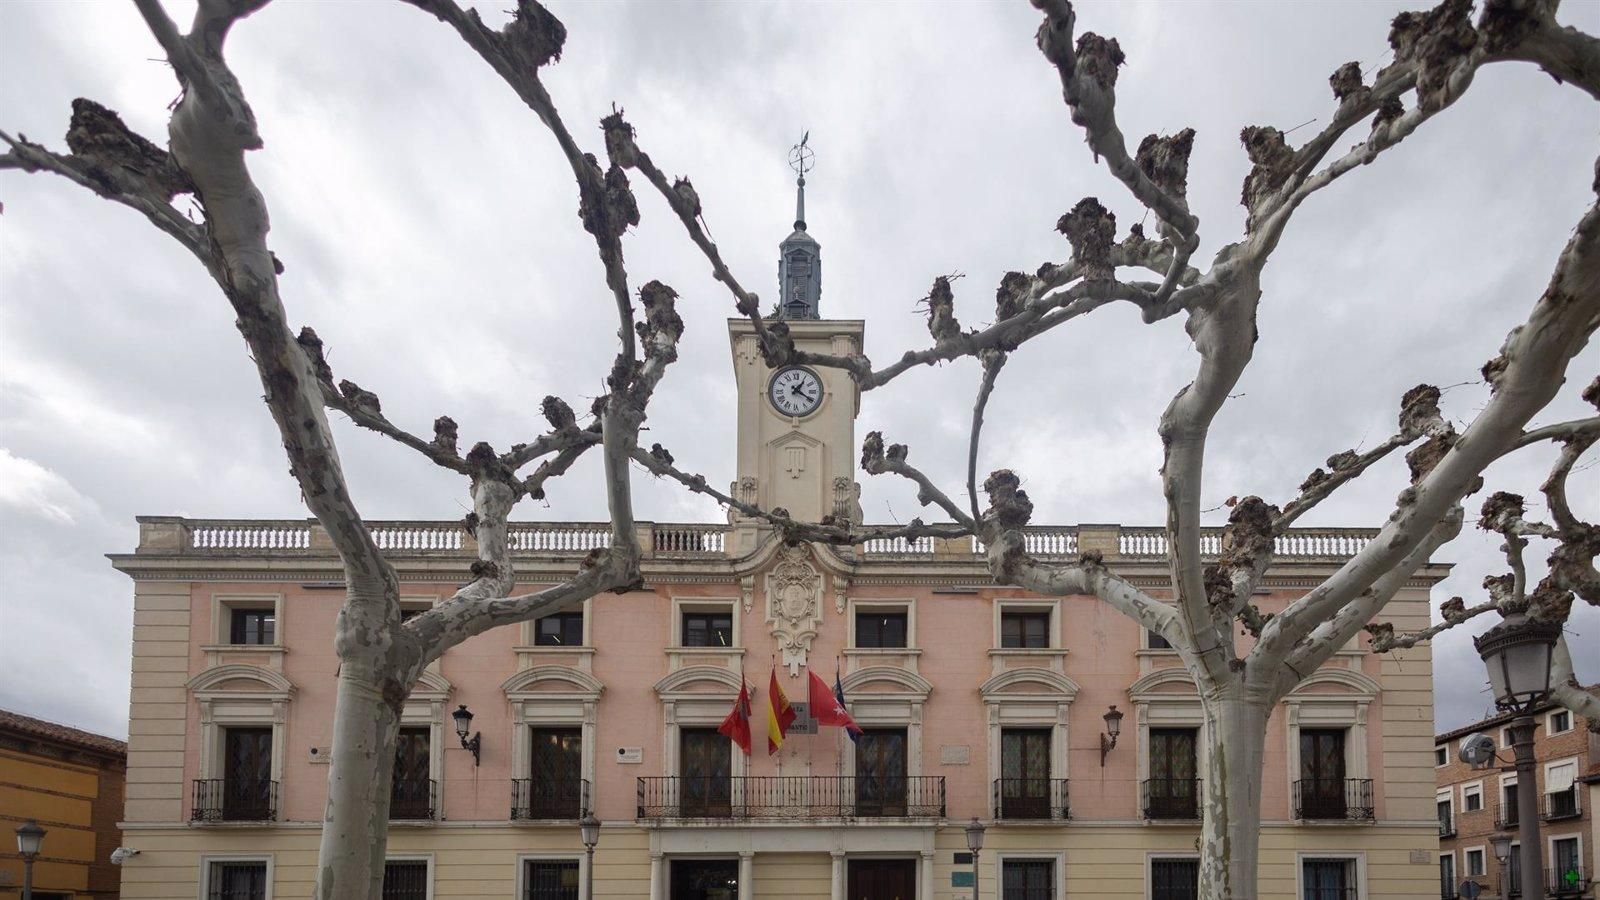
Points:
(780, 715)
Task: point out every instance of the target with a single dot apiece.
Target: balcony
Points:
(413, 799)
(533, 800)
(1567, 881)
(1334, 800)
(791, 797)
(1031, 799)
(1505, 818)
(1170, 799)
(234, 800)
(1563, 805)
(1447, 826)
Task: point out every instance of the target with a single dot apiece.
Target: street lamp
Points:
(589, 831)
(975, 844)
(1113, 728)
(1517, 652)
(1501, 843)
(463, 717)
(30, 838)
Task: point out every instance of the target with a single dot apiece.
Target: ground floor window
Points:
(405, 880)
(550, 879)
(1174, 879)
(237, 881)
(1328, 879)
(1447, 874)
(705, 879)
(1028, 879)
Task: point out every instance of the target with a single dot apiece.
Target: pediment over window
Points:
(886, 680)
(430, 686)
(550, 680)
(715, 681)
(1038, 682)
(1337, 681)
(1163, 684)
(238, 678)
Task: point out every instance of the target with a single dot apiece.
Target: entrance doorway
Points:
(883, 879)
(705, 879)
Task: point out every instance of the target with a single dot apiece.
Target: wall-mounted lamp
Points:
(1113, 728)
(463, 717)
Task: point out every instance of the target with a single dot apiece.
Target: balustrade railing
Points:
(1567, 881)
(1170, 798)
(234, 800)
(791, 797)
(536, 799)
(1334, 799)
(1560, 805)
(1300, 543)
(689, 539)
(413, 798)
(1031, 798)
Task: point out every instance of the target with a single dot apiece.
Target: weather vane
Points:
(801, 158)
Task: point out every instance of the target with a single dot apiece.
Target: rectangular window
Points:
(237, 881)
(1508, 804)
(247, 788)
(411, 791)
(1472, 798)
(1447, 875)
(1024, 787)
(1515, 869)
(1560, 721)
(881, 629)
(1172, 791)
(705, 760)
(550, 879)
(1320, 794)
(1474, 863)
(554, 789)
(1441, 756)
(1447, 825)
(559, 630)
(1174, 879)
(252, 626)
(1156, 642)
(1029, 630)
(406, 880)
(1561, 798)
(708, 629)
(1568, 874)
(1028, 879)
(1328, 879)
(881, 772)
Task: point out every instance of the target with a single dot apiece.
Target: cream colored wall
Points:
(159, 702)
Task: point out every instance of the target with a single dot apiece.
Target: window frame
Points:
(1550, 722)
(522, 869)
(239, 620)
(682, 607)
(207, 860)
(1150, 859)
(1466, 862)
(1150, 637)
(222, 609)
(1056, 858)
(1025, 618)
(902, 613)
(565, 617)
(1550, 848)
(712, 619)
(1355, 859)
(1472, 789)
(1005, 605)
(426, 858)
(1441, 750)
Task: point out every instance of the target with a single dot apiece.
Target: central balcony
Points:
(1031, 799)
(791, 797)
(1334, 800)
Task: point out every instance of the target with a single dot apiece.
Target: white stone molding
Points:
(794, 605)
(1052, 657)
(218, 648)
(1166, 698)
(426, 706)
(681, 657)
(530, 654)
(552, 695)
(697, 696)
(887, 697)
(240, 696)
(1027, 698)
(1330, 697)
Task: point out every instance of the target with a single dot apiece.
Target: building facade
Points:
(70, 783)
(977, 701)
(1478, 803)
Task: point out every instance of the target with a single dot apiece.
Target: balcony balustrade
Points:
(1562, 805)
(1447, 826)
(234, 800)
(413, 799)
(1567, 881)
(532, 799)
(791, 797)
(1505, 818)
(1025, 799)
(1334, 799)
(1170, 799)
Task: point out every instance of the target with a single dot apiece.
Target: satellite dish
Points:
(1470, 890)
(1478, 750)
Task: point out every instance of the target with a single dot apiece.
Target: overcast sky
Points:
(428, 227)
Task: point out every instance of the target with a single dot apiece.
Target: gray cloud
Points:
(430, 235)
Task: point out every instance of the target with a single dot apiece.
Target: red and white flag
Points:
(827, 708)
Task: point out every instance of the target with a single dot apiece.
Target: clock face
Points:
(795, 391)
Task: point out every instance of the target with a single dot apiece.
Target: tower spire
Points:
(800, 256)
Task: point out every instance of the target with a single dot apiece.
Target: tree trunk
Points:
(1236, 736)
(355, 823)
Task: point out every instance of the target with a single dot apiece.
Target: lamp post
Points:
(1517, 652)
(589, 830)
(463, 717)
(1113, 728)
(975, 844)
(30, 838)
(1502, 852)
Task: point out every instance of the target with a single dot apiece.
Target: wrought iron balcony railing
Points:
(1561, 805)
(535, 799)
(1447, 826)
(1567, 881)
(791, 797)
(413, 799)
(1031, 798)
(1334, 799)
(1170, 798)
(234, 800)
(1334, 893)
(1505, 818)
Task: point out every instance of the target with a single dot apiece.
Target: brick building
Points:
(1477, 804)
(71, 783)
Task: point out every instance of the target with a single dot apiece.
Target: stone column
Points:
(747, 875)
(836, 892)
(925, 877)
(658, 872)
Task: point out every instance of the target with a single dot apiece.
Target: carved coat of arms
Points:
(794, 605)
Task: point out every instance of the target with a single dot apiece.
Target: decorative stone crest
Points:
(794, 605)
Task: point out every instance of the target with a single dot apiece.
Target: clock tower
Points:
(796, 424)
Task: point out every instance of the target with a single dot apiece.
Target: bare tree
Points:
(1436, 55)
